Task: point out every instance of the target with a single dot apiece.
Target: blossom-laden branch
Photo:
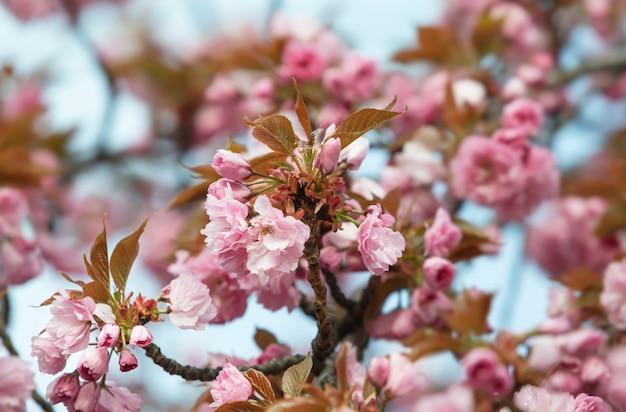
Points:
(192, 373)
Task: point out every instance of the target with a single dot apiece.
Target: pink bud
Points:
(230, 386)
(328, 157)
(378, 371)
(438, 272)
(140, 336)
(484, 370)
(221, 186)
(93, 363)
(109, 334)
(584, 402)
(442, 236)
(128, 361)
(231, 165)
(87, 398)
(63, 389)
(582, 342)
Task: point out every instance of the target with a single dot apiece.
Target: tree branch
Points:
(612, 61)
(336, 291)
(192, 373)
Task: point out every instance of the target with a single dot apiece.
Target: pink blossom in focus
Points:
(190, 302)
(276, 243)
(613, 296)
(93, 363)
(88, 397)
(380, 247)
(486, 171)
(231, 165)
(128, 361)
(16, 383)
(63, 389)
(48, 354)
(587, 403)
(109, 334)
(230, 386)
(523, 114)
(438, 272)
(442, 236)
(240, 192)
(140, 336)
(117, 398)
(485, 371)
(71, 322)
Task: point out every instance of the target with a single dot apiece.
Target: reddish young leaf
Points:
(469, 313)
(99, 257)
(276, 132)
(123, 257)
(261, 385)
(299, 404)
(97, 292)
(263, 163)
(581, 279)
(240, 406)
(303, 113)
(296, 376)
(361, 122)
(263, 338)
(190, 194)
(341, 366)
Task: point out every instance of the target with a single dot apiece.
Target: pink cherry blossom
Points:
(486, 171)
(535, 399)
(613, 296)
(397, 324)
(438, 272)
(63, 389)
(380, 246)
(71, 322)
(128, 361)
(109, 334)
(117, 398)
(230, 386)
(140, 336)
(301, 61)
(484, 370)
(48, 354)
(378, 370)
(357, 78)
(442, 236)
(427, 305)
(587, 403)
(93, 363)
(328, 157)
(354, 153)
(240, 192)
(231, 165)
(190, 302)
(13, 209)
(276, 243)
(16, 383)
(404, 376)
(523, 114)
(21, 261)
(456, 398)
(88, 397)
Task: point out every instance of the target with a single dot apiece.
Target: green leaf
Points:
(361, 122)
(123, 257)
(99, 257)
(296, 376)
(276, 132)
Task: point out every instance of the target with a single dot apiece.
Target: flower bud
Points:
(231, 165)
(438, 272)
(128, 361)
(221, 186)
(378, 371)
(63, 389)
(109, 334)
(140, 336)
(328, 157)
(93, 363)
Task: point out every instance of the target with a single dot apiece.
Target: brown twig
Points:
(336, 291)
(192, 373)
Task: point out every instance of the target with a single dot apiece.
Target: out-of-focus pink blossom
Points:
(484, 370)
(357, 78)
(332, 113)
(438, 272)
(93, 363)
(565, 240)
(594, 370)
(109, 334)
(276, 245)
(140, 336)
(16, 383)
(117, 398)
(230, 386)
(221, 89)
(271, 352)
(420, 163)
(13, 209)
(442, 236)
(587, 403)
(231, 165)
(378, 370)
(63, 389)
(457, 398)
(404, 376)
(468, 92)
(581, 343)
(30, 9)
(302, 61)
(380, 247)
(394, 325)
(427, 305)
(128, 361)
(523, 114)
(613, 296)
(21, 261)
(190, 302)
(355, 152)
(486, 171)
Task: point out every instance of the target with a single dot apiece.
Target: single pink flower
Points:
(301, 61)
(378, 370)
(71, 322)
(109, 334)
(16, 383)
(231, 165)
(49, 356)
(230, 386)
(13, 209)
(456, 398)
(140, 336)
(438, 272)
(117, 398)
(328, 157)
(63, 389)
(484, 370)
(427, 304)
(442, 236)
(276, 243)
(93, 363)
(380, 247)
(523, 114)
(535, 399)
(357, 78)
(587, 403)
(594, 370)
(397, 324)
(88, 397)
(240, 192)
(190, 302)
(128, 361)
(21, 261)
(404, 376)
